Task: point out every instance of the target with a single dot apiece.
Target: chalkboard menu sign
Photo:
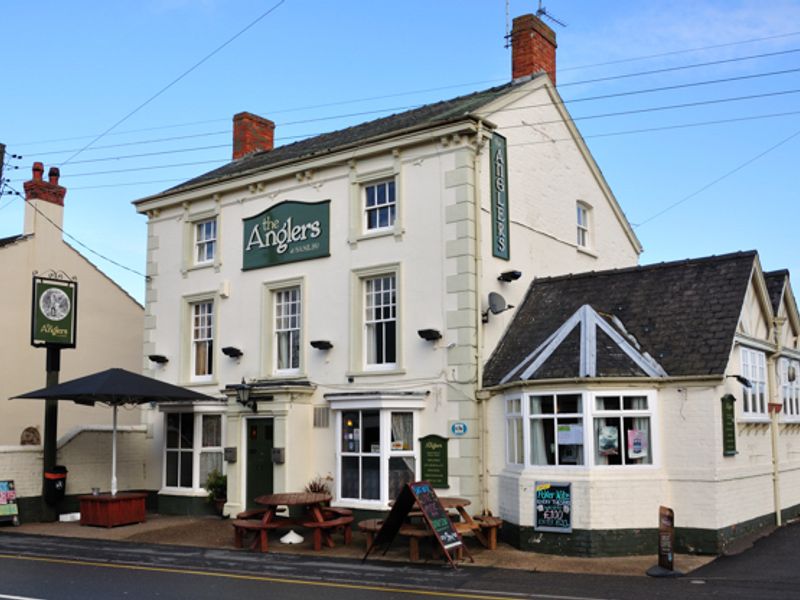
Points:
(8, 502)
(728, 425)
(553, 507)
(434, 460)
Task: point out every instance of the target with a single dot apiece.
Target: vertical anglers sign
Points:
(288, 232)
(728, 425)
(499, 183)
(54, 312)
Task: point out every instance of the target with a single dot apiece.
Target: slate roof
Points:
(683, 313)
(775, 282)
(438, 113)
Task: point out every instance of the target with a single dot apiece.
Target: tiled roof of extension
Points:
(683, 314)
(438, 113)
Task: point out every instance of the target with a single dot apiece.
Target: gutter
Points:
(628, 381)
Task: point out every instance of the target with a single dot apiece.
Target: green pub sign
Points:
(728, 425)
(54, 312)
(288, 232)
(434, 460)
(499, 183)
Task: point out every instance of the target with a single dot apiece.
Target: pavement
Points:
(214, 533)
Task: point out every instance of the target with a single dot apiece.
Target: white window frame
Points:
(790, 390)
(198, 412)
(280, 327)
(385, 406)
(202, 244)
(372, 325)
(588, 414)
(621, 413)
(269, 354)
(389, 206)
(754, 369)
(583, 224)
(552, 420)
(515, 437)
(207, 340)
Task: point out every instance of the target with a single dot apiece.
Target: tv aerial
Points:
(542, 12)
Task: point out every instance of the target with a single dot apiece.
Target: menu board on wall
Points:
(9, 510)
(434, 460)
(553, 507)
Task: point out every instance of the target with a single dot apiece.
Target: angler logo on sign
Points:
(54, 312)
(287, 232)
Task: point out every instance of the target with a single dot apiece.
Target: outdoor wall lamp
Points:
(743, 380)
(243, 395)
(232, 351)
(321, 344)
(158, 358)
(509, 276)
(430, 335)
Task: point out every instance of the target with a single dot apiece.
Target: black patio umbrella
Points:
(116, 387)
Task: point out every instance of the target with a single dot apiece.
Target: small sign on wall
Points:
(433, 452)
(553, 507)
(728, 425)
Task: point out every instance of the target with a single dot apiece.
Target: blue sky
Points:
(72, 70)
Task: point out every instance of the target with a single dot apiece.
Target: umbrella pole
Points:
(114, 454)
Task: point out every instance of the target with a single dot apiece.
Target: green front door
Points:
(259, 459)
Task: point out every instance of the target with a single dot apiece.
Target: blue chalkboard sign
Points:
(553, 507)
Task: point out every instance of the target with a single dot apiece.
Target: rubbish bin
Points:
(55, 484)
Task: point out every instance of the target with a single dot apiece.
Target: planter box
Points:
(106, 510)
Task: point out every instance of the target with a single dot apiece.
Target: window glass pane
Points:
(607, 433)
(351, 432)
(569, 403)
(569, 433)
(607, 403)
(371, 478)
(371, 431)
(402, 431)
(186, 469)
(209, 461)
(401, 472)
(212, 431)
(637, 441)
(350, 476)
(172, 469)
(542, 405)
(634, 402)
(173, 427)
(187, 430)
(542, 442)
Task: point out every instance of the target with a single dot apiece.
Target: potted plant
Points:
(217, 488)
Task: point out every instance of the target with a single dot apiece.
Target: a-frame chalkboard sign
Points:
(422, 494)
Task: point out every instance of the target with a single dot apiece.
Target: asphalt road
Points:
(49, 568)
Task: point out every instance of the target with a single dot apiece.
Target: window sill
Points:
(587, 251)
(199, 267)
(199, 383)
(378, 233)
(376, 372)
(185, 492)
(754, 420)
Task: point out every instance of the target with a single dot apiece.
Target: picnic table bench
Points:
(414, 533)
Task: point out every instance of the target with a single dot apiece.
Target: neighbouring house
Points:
(671, 384)
(109, 320)
(342, 293)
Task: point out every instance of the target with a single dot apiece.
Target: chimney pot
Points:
(49, 191)
(38, 171)
(251, 133)
(533, 48)
(53, 175)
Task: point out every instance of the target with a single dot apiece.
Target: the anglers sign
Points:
(54, 312)
(500, 218)
(287, 232)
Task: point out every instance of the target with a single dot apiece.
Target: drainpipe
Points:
(774, 410)
(483, 476)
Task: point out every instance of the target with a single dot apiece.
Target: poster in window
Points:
(608, 440)
(637, 443)
(570, 434)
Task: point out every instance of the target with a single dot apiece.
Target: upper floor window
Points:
(790, 387)
(379, 205)
(754, 369)
(583, 225)
(205, 241)
(380, 321)
(287, 329)
(202, 316)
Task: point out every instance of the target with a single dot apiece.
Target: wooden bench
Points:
(257, 513)
(414, 533)
(343, 523)
(243, 526)
(490, 525)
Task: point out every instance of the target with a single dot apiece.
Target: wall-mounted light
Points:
(743, 380)
(243, 395)
(321, 344)
(430, 335)
(509, 276)
(232, 351)
(158, 358)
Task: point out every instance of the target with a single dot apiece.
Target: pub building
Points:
(343, 294)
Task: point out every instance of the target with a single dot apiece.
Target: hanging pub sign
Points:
(54, 312)
(553, 507)
(288, 232)
(499, 184)
(433, 452)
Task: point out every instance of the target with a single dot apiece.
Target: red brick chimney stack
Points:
(252, 133)
(39, 189)
(533, 48)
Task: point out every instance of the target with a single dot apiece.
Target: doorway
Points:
(260, 435)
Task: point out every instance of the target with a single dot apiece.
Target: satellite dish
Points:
(497, 303)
